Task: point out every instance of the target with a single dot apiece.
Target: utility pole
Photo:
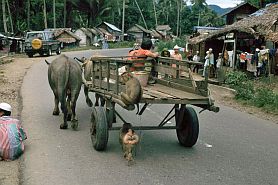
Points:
(123, 21)
(54, 14)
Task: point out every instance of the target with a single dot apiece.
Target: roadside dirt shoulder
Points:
(225, 96)
(11, 78)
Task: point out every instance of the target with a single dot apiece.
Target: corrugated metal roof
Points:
(112, 26)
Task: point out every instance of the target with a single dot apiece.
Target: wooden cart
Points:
(175, 86)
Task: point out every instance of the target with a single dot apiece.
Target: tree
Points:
(10, 16)
(28, 14)
(4, 16)
(54, 14)
(44, 14)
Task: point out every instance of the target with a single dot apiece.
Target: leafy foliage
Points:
(263, 96)
(88, 13)
(235, 78)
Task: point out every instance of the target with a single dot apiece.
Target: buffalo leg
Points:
(74, 120)
(69, 115)
(56, 106)
(64, 125)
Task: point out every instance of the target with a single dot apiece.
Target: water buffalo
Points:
(65, 80)
(88, 65)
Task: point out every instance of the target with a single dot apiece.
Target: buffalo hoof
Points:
(56, 113)
(96, 104)
(74, 124)
(63, 126)
(89, 103)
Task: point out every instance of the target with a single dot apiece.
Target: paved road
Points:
(233, 147)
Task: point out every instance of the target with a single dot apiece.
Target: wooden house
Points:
(66, 37)
(85, 35)
(255, 31)
(139, 32)
(239, 12)
(164, 30)
(111, 32)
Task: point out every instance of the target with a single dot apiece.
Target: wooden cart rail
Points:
(170, 87)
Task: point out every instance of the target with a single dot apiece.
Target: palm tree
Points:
(54, 14)
(44, 14)
(199, 3)
(28, 14)
(65, 13)
(4, 16)
(10, 16)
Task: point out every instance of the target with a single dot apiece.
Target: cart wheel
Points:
(99, 130)
(187, 126)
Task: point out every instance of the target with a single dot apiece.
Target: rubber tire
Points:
(99, 134)
(58, 51)
(49, 52)
(187, 126)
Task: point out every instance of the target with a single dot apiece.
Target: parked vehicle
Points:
(42, 42)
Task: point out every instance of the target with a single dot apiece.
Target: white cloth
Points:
(196, 58)
(219, 62)
(211, 59)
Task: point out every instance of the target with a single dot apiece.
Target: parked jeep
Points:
(42, 42)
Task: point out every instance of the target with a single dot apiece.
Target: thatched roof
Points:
(163, 27)
(238, 6)
(156, 34)
(258, 23)
(66, 36)
(138, 28)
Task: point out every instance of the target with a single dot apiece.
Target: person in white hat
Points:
(211, 63)
(176, 55)
(11, 134)
(196, 58)
(206, 65)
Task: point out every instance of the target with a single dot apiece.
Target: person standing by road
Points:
(206, 65)
(211, 63)
(196, 58)
(12, 134)
(176, 55)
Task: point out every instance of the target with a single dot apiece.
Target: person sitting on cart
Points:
(142, 53)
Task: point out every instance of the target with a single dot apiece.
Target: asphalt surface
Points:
(233, 147)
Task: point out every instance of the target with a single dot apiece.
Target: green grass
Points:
(260, 93)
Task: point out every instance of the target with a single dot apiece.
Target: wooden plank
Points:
(176, 93)
(160, 94)
(175, 85)
(113, 86)
(192, 80)
(166, 70)
(176, 101)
